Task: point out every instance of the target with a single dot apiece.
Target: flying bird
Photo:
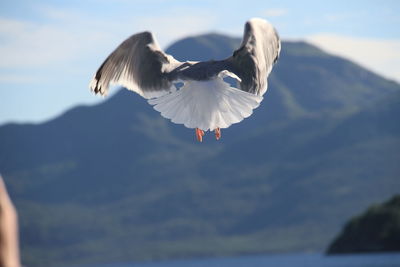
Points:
(195, 93)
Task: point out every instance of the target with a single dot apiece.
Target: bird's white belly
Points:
(206, 104)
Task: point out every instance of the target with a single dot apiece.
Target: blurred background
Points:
(104, 180)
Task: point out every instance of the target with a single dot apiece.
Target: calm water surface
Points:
(280, 260)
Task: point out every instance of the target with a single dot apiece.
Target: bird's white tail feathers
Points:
(206, 104)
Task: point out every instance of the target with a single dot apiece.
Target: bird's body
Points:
(195, 93)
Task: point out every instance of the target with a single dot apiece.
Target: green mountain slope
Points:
(117, 182)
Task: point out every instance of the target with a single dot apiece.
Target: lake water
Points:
(279, 260)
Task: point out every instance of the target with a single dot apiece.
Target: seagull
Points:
(197, 94)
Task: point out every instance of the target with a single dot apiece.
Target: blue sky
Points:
(50, 50)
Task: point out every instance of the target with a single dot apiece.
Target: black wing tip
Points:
(146, 35)
(96, 90)
(279, 47)
(95, 87)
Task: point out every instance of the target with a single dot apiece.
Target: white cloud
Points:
(334, 17)
(275, 12)
(18, 79)
(26, 44)
(67, 35)
(173, 26)
(59, 14)
(379, 55)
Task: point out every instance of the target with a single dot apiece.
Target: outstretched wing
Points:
(137, 64)
(253, 61)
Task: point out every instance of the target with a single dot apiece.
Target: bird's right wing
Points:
(138, 64)
(253, 61)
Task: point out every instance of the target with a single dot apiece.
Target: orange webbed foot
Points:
(217, 133)
(199, 135)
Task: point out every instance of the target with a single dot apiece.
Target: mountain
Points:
(116, 182)
(376, 230)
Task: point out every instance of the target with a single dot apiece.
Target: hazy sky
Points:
(49, 50)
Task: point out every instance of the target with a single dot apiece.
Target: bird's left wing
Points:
(138, 64)
(253, 61)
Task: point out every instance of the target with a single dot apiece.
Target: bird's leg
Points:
(199, 134)
(217, 133)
